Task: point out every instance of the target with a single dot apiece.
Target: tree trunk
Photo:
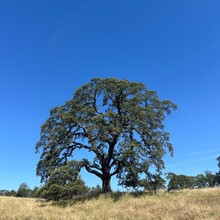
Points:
(106, 184)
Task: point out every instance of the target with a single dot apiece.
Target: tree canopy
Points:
(24, 191)
(117, 121)
(64, 183)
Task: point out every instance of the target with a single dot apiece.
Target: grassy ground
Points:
(187, 204)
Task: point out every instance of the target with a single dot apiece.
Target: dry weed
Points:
(184, 205)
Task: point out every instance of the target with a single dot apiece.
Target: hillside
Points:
(187, 204)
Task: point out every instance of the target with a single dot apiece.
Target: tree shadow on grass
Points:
(77, 199)
(115, 196)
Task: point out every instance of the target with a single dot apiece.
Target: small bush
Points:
(63, 184)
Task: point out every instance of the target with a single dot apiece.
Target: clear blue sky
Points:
(50, 48)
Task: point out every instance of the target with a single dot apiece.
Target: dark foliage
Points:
(24, 191)
(178, 182)
(64, 183)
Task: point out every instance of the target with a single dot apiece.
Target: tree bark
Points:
(106, 184)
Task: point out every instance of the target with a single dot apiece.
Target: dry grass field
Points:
(187, 204)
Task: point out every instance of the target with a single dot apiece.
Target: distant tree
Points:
(94, 191)
(34, 192)
(178, 182)
(211, 179)
(200, 181)
(3, 192)
(208, 179)
(218, 173)
(172, 182)
(119, 122)
(11, 193)
(64, 183)
(153, 182)
(7, 192)
(217, 178)
(23, 190)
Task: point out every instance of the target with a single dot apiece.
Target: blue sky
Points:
(50, 48)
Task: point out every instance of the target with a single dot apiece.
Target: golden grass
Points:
(184, 205)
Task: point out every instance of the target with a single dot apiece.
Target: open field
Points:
(187, 204)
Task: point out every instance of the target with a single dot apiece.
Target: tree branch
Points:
(111, 149)
(116, 171)
(90, 170)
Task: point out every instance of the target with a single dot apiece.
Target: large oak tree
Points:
(119, 122)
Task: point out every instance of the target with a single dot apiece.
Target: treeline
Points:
(178, 182)
(66, 187)
(23, 191)
(173, 181)
(208, 179)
